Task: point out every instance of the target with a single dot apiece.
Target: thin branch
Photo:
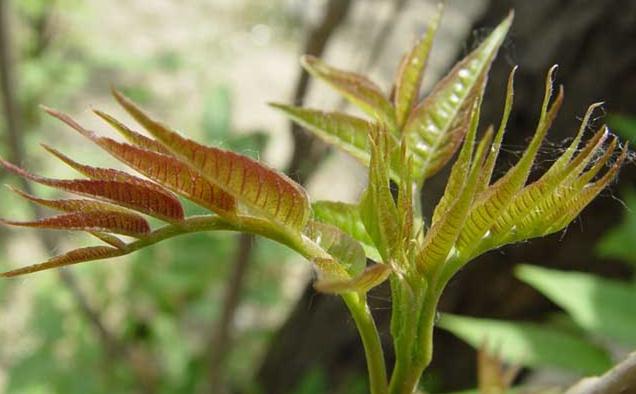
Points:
(379, 42)
(619, 380)
(309, 151)
(16, 154)
(384, 33)
(304, 162)
(12, 114)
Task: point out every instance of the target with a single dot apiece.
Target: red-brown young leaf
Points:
(134, 195)
(259, 187)
(162, 168)
(109, 239)
(173, 174)
(73, 257)
(70, 205)
(117, 175)
(79, 205)
(132, 136)
(104, 221)
(105, 174)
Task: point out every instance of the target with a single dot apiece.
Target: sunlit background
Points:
(147, 322)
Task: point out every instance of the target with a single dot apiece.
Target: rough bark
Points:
(308, 150)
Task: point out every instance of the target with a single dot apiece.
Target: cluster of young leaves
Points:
(598, 313)
(474, 214)
(405, 141)
(177, 300)
(417, 138)
(242, 195)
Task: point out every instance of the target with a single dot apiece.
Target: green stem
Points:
(356, 303)
(370, 341)
(362, 317)
(415, 352)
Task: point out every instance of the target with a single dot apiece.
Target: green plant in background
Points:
(625, 125)
(618, 242)
(599, 314)
(405, 142)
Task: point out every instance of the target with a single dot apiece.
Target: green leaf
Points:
(356, 88)
(459, 171)
(459, 196)
(624, 125)
(344, 269)
(618, 242)
(570, 208)
(347, 132)
(347, 218)
(411, 72)
(344, 249)
(600, 306)
(508, 211)
(497, 198)
(537, 200)
(491, 160)
(437, 125)
(377, 208)
(406, 203)
(529, 344)
(371, 277)
(551, 210)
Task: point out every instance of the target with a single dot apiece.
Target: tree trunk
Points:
(593, 42)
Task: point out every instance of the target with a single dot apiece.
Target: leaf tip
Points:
(510, 17)
(121, 98)
(68, 120)
(308, 60)
(101, 113)
(48, 109)
(513, 72)
(549, 79)
(278, 106)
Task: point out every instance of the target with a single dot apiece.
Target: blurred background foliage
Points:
(208, 68)
(165, 300)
